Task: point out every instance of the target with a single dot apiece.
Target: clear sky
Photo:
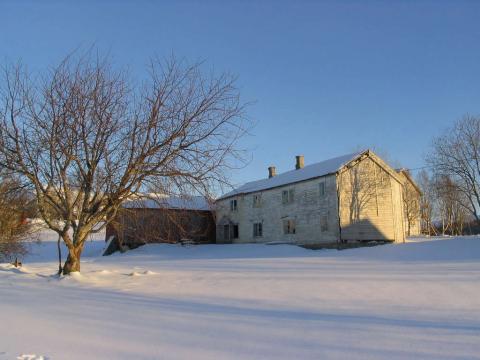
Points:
(327, 77)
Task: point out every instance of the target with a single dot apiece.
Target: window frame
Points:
(257, 229)
(230, 231)
(233, 205)
(322, 189)
(290, 196)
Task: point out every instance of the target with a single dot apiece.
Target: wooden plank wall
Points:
(370, 203)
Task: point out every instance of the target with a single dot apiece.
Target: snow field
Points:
(416, 300)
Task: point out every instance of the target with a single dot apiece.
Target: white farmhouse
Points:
(356, 197)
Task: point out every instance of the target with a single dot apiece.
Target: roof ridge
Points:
(318, 169)
(315, 163)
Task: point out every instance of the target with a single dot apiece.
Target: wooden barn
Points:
(161, 220)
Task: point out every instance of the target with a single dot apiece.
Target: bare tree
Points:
(85, 139)
(450, 200)
(411, 202)
(15, 208)
(456, 154)
(427, 203)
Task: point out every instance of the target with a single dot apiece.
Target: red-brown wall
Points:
(135, 227)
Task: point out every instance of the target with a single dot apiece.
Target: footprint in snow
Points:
(146, 272)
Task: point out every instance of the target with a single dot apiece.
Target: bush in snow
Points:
(15, 206)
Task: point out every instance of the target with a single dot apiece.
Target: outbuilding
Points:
(163, 219)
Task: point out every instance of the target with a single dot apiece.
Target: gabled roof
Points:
(198, 203)
(312, 171)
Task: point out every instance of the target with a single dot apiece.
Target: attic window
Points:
(233, 205)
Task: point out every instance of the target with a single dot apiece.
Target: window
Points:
(321, 189)
(287, 196)
(257, 200)
(235, 231)
(257, 229)
(233, 205)
(324, 223)
(289, 226)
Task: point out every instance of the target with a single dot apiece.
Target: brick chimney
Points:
(271, 171)
(300, 162)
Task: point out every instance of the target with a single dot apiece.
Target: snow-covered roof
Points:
(170, 202)
(308, 172)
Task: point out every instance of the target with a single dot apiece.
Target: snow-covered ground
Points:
(419, 300)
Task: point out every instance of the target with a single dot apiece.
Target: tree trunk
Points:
(72, 264)
(59, 249)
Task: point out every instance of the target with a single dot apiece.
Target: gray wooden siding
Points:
(309, 210)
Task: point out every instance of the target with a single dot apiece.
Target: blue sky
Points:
(327, 78)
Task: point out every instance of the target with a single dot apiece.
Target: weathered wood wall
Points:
(308, 209)
(371, 205)
(133, 227)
